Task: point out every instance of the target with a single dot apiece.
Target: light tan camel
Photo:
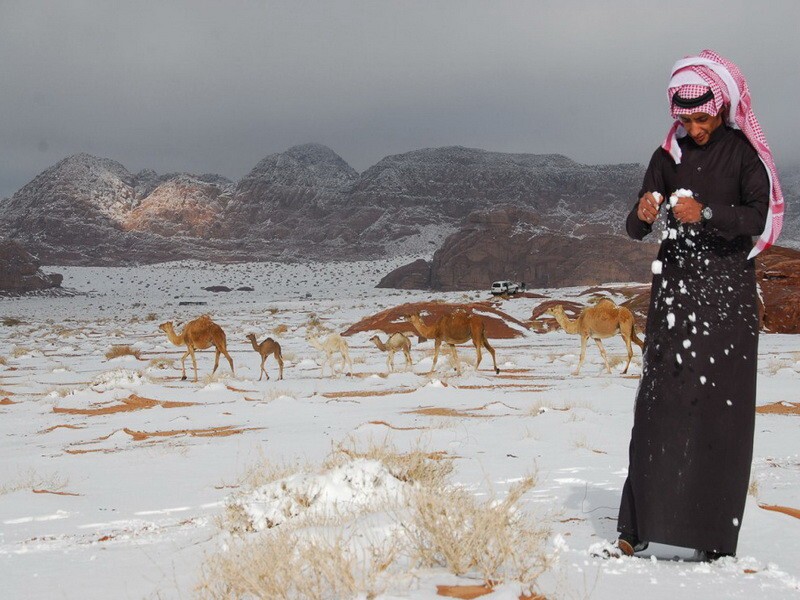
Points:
(603, 320)
(265, 349)
(199, 334)
(454, 328)
(395, 342)
(333, 344)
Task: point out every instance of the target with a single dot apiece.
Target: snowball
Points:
(656, 267)
(678, 359)
(703, 379)
(670, 320)
(735, 522)
(687, 343)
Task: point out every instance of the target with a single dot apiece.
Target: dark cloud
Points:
(215, 86)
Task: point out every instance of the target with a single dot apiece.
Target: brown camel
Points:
(396, 341)
(603, 320)
(199, 334)
(454, 328)
(265, 349)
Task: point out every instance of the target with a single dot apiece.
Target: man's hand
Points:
(648, 207)
(687, 210)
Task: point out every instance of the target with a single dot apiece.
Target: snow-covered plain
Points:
(93, 505)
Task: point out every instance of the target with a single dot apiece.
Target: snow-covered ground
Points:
(100, 502)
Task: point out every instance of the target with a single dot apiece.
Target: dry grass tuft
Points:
(18, 351)
(30, 480)
(3, 361)
(752, 489)
(285, 565)
(11, 321)
(280, 329)
(440, 526)
(118, 350)
(161, 363)
(418, 466)
(450, 528)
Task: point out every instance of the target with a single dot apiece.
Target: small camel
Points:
(333, 344)
(603, 320)
(396, 341)
(454, 328)
(265, 349)
(198, 334)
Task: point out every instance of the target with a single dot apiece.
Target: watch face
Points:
(707, 213)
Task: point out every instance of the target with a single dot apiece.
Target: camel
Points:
(333, 344)
(395, 342)
(454, 328)
(198, 334)
(603, 320)
(265, 349)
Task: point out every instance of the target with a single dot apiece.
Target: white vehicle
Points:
(504, 287)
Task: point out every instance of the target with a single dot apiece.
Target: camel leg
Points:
(263, 370)
(455, 358)
(436, 345)
(183, 364)
(603, 354)
(491, 351)
(279, 358)
(627, 339)
(478, 355)
(194, 362)
(216, 360)
(230, 361)
(583, 353)
(390, 361)
(409, 362)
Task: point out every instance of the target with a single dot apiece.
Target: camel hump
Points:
(601, 301)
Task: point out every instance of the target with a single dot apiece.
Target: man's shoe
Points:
(629, 544)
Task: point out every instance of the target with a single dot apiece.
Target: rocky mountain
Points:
(308, 203)
(89, 210)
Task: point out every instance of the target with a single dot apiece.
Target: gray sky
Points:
(204, 86)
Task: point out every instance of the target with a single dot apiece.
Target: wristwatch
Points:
(706, 213)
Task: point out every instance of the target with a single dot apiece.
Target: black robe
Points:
(692, 439)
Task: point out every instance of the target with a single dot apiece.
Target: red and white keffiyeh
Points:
(692, 77)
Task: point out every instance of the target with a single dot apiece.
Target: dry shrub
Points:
(118, 350)
(161, 363)
(752, 489)
(418, 466)
(18, 351)
(449, 527)
(286, 565)
(151, 317)
(3, 361)
(30, 480)
(441, 526)
(11, 321)
(280, 329)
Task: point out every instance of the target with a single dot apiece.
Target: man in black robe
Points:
(692, 439)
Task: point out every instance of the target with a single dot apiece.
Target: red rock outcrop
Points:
(499, 325)
(778, 274)
(20, 272)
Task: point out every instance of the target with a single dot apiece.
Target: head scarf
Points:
(708, 83)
